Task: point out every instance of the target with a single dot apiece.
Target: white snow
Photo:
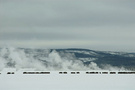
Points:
(56, 81)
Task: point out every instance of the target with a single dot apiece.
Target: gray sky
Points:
(92, 24)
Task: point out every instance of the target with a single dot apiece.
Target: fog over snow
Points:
(92, 24)
(47, 61)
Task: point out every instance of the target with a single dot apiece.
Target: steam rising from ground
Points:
(48, 60)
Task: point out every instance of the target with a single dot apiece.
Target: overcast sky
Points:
(93, 24)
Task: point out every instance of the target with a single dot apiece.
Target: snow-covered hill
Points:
(65, 59)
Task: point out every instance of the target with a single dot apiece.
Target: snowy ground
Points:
(56, 81)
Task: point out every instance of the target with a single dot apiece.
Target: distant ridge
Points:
(102, 59)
